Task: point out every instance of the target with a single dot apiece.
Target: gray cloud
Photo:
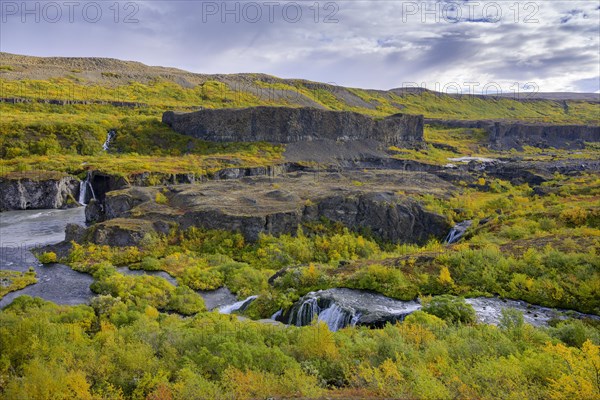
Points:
(379, 44)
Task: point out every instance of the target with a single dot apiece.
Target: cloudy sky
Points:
(453, 45)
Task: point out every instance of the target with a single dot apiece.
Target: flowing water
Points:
(340, 308)
(457, 232)
(84, 185)
(214, 299)
(237, 306)
(23, 230)
(35, 228)
(109, 138)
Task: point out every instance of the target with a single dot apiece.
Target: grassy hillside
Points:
(96, 95)
(142, 338)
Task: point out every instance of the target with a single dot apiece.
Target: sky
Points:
(451, 46)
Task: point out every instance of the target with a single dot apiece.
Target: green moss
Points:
(11, 281)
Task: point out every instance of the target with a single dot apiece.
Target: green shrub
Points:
(199, 278)
(575, 333)
(150, 264)
(160, 198)
(47, 257)
(449, 308)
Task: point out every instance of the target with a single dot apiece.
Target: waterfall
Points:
(276, 315)
(337, 318)
(307, 311)
(238, 306)
(342, 307)
(332, 314)
(457, 232)
(83, 189)
(109, 138)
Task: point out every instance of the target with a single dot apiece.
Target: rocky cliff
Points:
(279, 205)
(504, 135)
(20, 191)
(289, 125)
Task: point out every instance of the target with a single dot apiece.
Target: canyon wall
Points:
(288, 125)
(37, 191)
(505, 135)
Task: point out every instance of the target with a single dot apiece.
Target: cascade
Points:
(109, 138)
(83, 190)
(237, 306)
(457, 232)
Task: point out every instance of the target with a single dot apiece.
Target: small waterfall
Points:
(332, 314)
(83, 190)
(457, 232)
(337, 318)
(305, 314)
(238, 306)
(342, 307)
(276, 315)
(109, 138)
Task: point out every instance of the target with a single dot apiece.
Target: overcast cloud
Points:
(372, 44)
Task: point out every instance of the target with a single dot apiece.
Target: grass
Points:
(542, 249)
(11, 281)
(441, 144)
(127, 165)
(69, 132)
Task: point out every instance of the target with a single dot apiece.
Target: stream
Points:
(21, 231)
(341, 307)
(27, 229)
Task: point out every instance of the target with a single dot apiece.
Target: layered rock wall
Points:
(288, 125)
(39, 192)
(504, 135)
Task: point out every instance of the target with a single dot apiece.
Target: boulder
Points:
(120, 232)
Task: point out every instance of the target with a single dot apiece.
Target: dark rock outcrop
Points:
(120, 232)
(533, 172)
(280, 205)
(38, 191)
(340, 307)
(504, 135)
(103, 183)
(288, 125)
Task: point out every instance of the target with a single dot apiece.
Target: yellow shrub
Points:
(48, 257)
(160, 198)
(575, 216)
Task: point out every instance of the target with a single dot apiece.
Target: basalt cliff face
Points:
(277, 205)
(505, 135)
(22, 191)
(290, 125)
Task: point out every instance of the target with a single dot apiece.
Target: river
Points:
(21, 231)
